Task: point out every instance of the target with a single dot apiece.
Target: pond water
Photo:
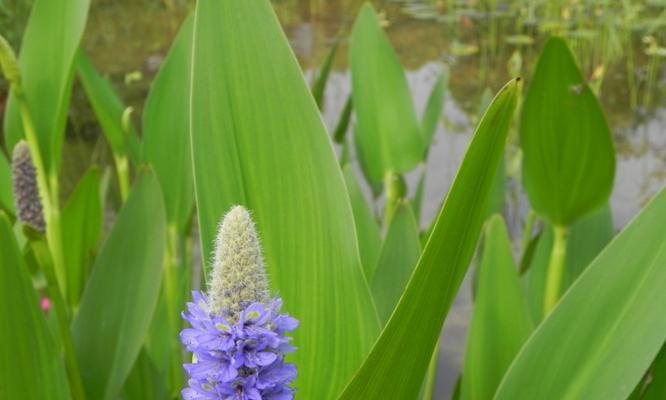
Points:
(483, 43)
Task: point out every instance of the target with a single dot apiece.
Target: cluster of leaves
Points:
(230, 120)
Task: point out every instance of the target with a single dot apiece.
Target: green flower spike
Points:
(26, 191)
(239, 274)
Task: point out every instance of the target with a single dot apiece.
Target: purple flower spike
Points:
(237, 336)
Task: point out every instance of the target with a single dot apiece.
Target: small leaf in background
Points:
(400, 252)
(388, 134)
(319, 88)
(6, 190)
(166, 139)
(396, 366)
(501, 321)
(340, 133)
(120, 297)
(46, 61)
(30, 363)
(588, 237)
(607, 328)
(568, 155)
(82, 219)
(367, 229)
(434, 108)
(258, 140)
(106, 104)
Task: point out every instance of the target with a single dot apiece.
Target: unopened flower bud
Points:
(26, 191)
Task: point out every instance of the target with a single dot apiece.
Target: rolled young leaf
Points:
(607, 328)
(398, 361)
(258, 140)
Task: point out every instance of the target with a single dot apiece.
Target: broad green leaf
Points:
(400, 252)
(319, 88)
(166, 139)
(388, 134)
(568, 155)
(48, 49)
(501, 321)
(434, 108)
(587, 238)
(30, 363)
(6, 190)
(81, 224)
(397, 363)
(607, 328)
(122, 291)
(258, 140)
(367, 229)
(105, 102)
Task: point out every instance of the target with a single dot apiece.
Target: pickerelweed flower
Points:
(237, 333)
(26, 191)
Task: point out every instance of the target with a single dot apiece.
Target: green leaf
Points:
(607, 328)
(121, 293)
(388, 134)
(319, 88)
(367, 229)
(398, 361)
(400, 252)
(166, 129)
(501, 321)
(568, 155)
(340, 133)
(588, 237)
(30, 363)
(434, 108)
(6, 188)
(48, 49)
(258, 140)
(105, 102)
(82, 220)
(144, 382)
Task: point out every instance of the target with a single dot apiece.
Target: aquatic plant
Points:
(230, 120)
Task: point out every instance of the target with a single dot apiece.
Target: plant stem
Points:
(396, 189)
(122, 169)
(72, 366)
(172, 297)
(556, 268)
(54, 265)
